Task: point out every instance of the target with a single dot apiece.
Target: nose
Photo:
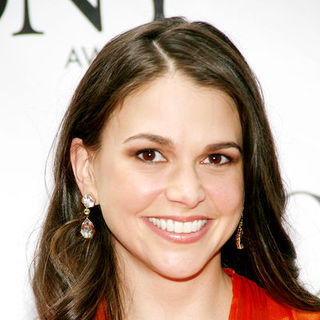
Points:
(184, 187)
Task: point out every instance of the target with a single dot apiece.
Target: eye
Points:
(150, 155)
(216, 159)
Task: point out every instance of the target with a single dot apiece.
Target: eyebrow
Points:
(152, 137)
(168, 142)
(222, 145)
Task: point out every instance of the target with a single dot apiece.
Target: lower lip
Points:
(179, 237)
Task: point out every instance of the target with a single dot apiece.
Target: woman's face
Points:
(169, 176)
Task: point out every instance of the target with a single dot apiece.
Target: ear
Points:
(81, 161)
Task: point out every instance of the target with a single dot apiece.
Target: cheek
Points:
(226, 193)
(127, 191)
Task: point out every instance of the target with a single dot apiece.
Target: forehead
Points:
(175, 105)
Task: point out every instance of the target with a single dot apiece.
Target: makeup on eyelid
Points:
(151, 155)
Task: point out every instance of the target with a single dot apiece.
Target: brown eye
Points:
(216, 159)
(150, 155)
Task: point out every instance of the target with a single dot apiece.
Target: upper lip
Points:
(181, 218)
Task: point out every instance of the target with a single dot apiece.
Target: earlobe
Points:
(81, 165)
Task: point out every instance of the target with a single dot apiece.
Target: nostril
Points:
(184, 186)
(185, 194)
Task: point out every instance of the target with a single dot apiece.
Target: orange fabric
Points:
(249, 302)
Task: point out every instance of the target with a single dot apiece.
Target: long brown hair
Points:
(73, 275)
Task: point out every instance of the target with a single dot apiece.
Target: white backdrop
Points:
(38, 73)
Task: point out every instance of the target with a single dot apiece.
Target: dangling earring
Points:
(239, 234)
(87, 227)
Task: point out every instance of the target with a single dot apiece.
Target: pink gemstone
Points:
(87, 229)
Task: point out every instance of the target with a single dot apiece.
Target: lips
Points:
(179, 229)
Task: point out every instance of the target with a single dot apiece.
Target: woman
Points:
(167, 151)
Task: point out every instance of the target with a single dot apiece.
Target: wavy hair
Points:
(73, 275)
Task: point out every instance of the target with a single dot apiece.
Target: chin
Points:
(179, 269)
(182, 274)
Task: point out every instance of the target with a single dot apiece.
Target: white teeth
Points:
(178, 226)
(170, 225)
(187, 227)
(194, 226)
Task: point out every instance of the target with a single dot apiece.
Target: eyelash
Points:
(139, 154)
(226, 160)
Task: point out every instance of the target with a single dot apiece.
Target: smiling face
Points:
(168, 176)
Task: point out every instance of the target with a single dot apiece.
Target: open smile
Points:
(178, 226)
(179, 229)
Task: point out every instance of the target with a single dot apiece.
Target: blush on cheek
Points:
(134, 192)
(227, 196)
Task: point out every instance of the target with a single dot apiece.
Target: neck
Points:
(149, 295)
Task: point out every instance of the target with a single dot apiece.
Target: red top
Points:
(250, 302)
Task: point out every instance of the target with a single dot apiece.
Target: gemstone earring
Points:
(239, 234)
(87, 227)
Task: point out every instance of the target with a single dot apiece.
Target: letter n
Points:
(92, 13)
